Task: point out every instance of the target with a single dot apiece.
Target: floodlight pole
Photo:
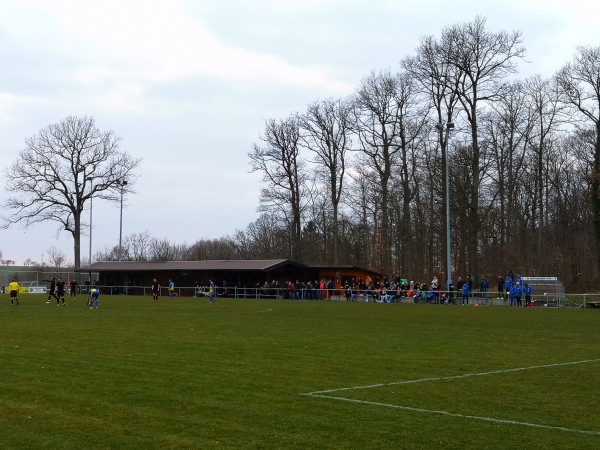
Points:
(122, 184)
(91, 179)
(448, 127)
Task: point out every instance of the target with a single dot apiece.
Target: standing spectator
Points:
(527, 289)
(484, 286)
(73, 288)
(87, 286)
(450, 289)
(291, 290)
(466, 293)
(435, 287)
(513, 295)
(353, 288)
(518, 293)
(459, 286)
(500, 287)
(60, 291)
(347, 291)
(511, 275)
(155, 290)
(171, 288)
(51, 289)
(507, 285)
(13, 288)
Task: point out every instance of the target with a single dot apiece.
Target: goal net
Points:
(547, 291)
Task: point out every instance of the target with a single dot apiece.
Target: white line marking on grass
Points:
(449, 414)
(321, 394)
(452, 377)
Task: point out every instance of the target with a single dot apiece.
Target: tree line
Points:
(368, 179)
(361, 180)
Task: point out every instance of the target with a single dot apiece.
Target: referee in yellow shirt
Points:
(13, 287)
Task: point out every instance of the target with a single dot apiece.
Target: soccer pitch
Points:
(294, 374)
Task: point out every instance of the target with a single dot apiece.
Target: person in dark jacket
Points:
(51, 289)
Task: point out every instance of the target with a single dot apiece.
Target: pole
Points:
(445, 156)
(122, 183)
(121, 228)
(447, 181)
(91, 209)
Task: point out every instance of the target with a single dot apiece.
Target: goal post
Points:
(547, 291)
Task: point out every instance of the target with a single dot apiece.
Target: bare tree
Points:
(544, 104)
(262, 239)
(283, 171)
(483, 59)
(57, 258)
(579, 82)
(438, 81)
(388, 121)
(137, 246)
(221, 248)
(60, 169)
(164, 250)
(325, 130)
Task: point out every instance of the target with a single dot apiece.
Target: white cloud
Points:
(159, 42)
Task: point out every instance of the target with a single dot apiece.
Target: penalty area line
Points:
(452, 377)
(458, 415)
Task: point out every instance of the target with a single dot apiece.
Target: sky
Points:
(188, 86)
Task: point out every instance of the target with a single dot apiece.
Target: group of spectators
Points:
(386, 291)
(310, 290)
(515, 289)
(510, 287)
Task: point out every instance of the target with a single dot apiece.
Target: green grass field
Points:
(296, 374)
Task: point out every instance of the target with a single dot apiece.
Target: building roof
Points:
(233, 265)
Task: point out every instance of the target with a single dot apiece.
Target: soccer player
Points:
(211, 291)
(60, 291)
(13, 287)
(51, 289)
(94, 294)
(155, 290)
(171, 288)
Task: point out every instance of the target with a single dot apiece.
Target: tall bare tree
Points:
(283, 170)
(579, 82)
(438, 81)
(544, 104)
(484, 60)
(57, 258)
(378, 127)
(60, 169)
(325, 130)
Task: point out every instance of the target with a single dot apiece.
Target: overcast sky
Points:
(188, 86)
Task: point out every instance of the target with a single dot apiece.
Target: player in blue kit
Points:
(94, 294)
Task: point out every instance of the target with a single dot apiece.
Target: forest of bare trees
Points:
(361, 180)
